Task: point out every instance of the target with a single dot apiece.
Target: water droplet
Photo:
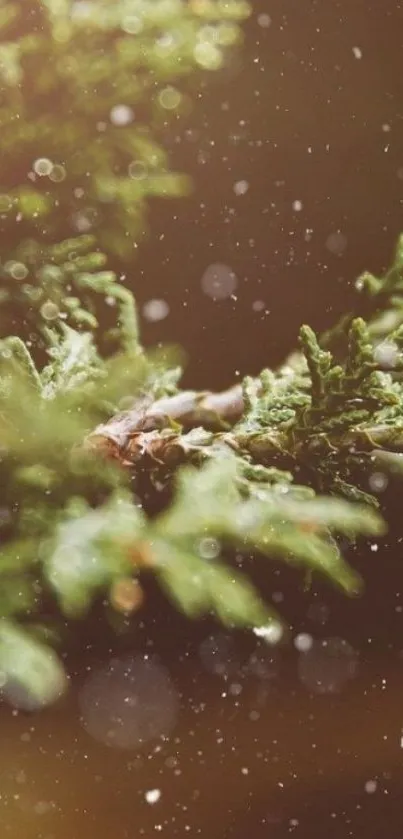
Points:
(18, 270)
(169, 98)
(42, 166)
(50, 310)
(57, 173)
(137, 170)
(208, 548)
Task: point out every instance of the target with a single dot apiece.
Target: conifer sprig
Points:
(93, 429)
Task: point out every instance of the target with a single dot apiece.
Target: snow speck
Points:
(241, 187)
(155, 310)
(357, 52)
(121, 115)
(371, 787)
(303, 642)
(378, 482)
(264, 20)
(152, 796)
(336, 243)
(219, 281)
(272, 633)
(297, 206)
(258, 305)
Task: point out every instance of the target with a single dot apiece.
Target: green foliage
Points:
(91, 424)
(87, 89)
(47, 286)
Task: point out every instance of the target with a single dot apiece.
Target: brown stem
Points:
(190, 409)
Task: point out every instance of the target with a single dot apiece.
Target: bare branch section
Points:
(150, 426)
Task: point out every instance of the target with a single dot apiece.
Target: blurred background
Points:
(295, 149)
(296, 152)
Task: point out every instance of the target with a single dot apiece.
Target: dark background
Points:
(300, 118)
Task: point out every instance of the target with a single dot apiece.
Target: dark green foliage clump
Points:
(279, 467)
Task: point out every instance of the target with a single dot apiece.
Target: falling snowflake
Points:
(121, 115)
(152, 796)
(219, 281)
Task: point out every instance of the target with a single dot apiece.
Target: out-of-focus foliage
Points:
(87, 87)
(72, 528)
(91, 426)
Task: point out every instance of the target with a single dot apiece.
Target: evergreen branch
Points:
(90, 424)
